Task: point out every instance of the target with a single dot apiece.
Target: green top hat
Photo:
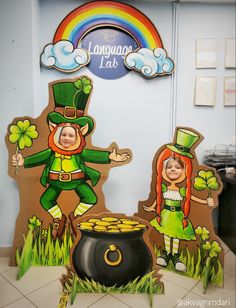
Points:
(70, 100)
(185, 139)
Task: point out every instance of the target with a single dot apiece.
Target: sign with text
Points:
(107, 48)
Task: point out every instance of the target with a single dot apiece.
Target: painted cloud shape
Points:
(64, 57)
(150, 63)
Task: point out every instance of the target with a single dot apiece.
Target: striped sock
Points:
(175, 248)
(82, 208)
(167, 243)
(55, 212)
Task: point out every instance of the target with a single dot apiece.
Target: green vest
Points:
(47, 157)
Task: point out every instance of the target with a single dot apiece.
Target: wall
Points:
(142, 113)
(196, 21)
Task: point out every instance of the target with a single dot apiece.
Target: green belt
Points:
(173, 208)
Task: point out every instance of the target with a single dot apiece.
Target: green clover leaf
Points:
(22, 133)
(198, 230)
(215, 249)
(83, 84)
(207, 245)
(212, 183)
(34, 222)
(199, 183)
(203, 232)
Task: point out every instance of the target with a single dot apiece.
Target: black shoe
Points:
(164, 258)
(179, 266)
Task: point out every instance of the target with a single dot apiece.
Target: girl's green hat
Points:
(185, 139)
(70, 100)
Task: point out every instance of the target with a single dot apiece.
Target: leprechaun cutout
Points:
(66, 156)
(174, 191)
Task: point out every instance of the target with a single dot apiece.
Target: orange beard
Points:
(59, 148)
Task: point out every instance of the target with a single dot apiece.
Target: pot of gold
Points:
(111, 250)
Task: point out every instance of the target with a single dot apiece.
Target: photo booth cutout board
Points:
(110, 252)
(33, 221)
(184, 232)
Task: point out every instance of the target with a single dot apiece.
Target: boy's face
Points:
(67, 137)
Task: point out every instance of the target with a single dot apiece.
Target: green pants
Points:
(82, 189)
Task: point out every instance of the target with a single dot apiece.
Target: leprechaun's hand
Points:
(151, 208)
(17, 160)
(210, 202)
(114, 156)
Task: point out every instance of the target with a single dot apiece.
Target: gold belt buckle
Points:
(172, 208)
(61, 177)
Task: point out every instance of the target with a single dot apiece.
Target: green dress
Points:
(172, 216)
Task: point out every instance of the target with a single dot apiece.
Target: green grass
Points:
(40, 249)
(209, 270)
(147, 284)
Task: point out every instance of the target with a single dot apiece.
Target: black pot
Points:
(111, 259)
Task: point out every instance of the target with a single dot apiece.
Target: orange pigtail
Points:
(186, 206)
(165, 154)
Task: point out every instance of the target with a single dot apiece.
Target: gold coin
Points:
(112, 227)
(136, 229)
(126, 230)
(131, 222)
(124, 226)
(109, 219)
(93, 220)
(141, 226)
(85, 228)
(100, 228)
(113, 231)
(85, 223)
(102, 223)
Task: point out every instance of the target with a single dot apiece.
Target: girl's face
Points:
(173, 169)
(67, 137)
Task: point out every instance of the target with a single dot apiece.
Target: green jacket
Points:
(47, 157)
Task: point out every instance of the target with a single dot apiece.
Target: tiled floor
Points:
(40, 287)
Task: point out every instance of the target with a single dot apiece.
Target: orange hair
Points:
(164, 155)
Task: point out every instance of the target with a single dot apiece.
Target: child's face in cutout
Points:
(174, 170)
(67, 137)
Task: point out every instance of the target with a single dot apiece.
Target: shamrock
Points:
(203, 232)
(206, 180)
(83, 84)
(34, 222)
(22, 132)
(213, 248)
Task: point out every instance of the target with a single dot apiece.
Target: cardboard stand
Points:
(183, 194)
(65, 180)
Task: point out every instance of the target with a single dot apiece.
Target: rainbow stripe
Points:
(108, 13)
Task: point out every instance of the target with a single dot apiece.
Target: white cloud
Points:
(64, 57)
(150, 63)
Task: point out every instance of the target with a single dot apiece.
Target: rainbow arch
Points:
(108, 13)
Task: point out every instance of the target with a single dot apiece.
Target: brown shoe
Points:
(73, 223)
(58, 227)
